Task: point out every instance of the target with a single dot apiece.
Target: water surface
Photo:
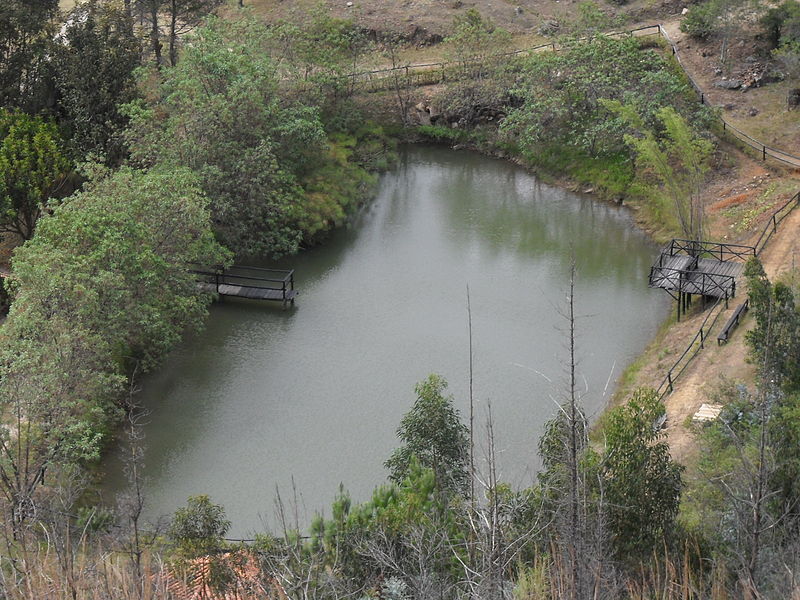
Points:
(311, 397)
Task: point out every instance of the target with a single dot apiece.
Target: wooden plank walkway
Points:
(252, 283)
(251, 293)
(685, 268)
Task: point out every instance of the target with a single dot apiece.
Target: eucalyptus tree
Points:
(433, 434)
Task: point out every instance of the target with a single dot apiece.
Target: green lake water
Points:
(308, 398)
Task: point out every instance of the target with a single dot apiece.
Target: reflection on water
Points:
(264, 397)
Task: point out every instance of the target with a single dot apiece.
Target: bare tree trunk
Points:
(471, 411)
(155, 33)
(574, 518)
(173, 33)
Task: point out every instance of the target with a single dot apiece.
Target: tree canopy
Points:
(432, 432)
(33, 168)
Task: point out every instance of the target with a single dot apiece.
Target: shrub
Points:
(700, 22)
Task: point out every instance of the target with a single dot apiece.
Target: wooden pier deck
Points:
(709, 269)
(253, 283)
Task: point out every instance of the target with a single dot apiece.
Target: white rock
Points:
(684, 11)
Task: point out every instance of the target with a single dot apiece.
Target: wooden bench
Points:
(732, 323)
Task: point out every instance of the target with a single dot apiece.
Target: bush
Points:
(781, 24)
(700, 22)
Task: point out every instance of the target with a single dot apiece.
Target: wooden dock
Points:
(692, 267)
(253, 283)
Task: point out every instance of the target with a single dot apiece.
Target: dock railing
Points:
(253, 278)
(719, 250)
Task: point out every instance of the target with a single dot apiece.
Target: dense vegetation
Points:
(122, 166)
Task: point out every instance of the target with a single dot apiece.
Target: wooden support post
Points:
(702, 340)
(763, 153)
(669, 380)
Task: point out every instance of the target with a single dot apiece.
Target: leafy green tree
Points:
(678, 162)
(432, 432)
(317, 56)
(475, 41)
(57, 387)
(559, 97)
(33, 168)
(115, 260)
(407, 529)
(775, 339)
(94, 63)
(781, 24)
(26, 32)
(103, 282)
(641, 483)
(199, 528)
(185, 15)
(219, 113)
(483, 77)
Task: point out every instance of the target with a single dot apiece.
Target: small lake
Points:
(308, 398)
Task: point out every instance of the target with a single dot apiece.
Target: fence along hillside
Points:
(422, 74)
(441, 72)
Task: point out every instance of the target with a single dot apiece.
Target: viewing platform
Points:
(253, 283)
(707, 269)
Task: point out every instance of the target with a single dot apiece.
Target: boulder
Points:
(728, 84)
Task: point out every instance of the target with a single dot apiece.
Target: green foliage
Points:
(94, 64)
(103, 283)
(560, 96)
(315, 56)
(261, 153)
(775, 339)
(788, 57)
(641, 483)
(27, 28)
(474, 41)
(219, 115)
(402, 522)
(591, 20)
(199, 528)
(701, 20)
(677, 162)
(781, 24)
(433, 433)
(33, 168)
(447, 135)
(114, 259)
(786, 439)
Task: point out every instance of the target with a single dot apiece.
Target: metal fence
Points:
(440, 72)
